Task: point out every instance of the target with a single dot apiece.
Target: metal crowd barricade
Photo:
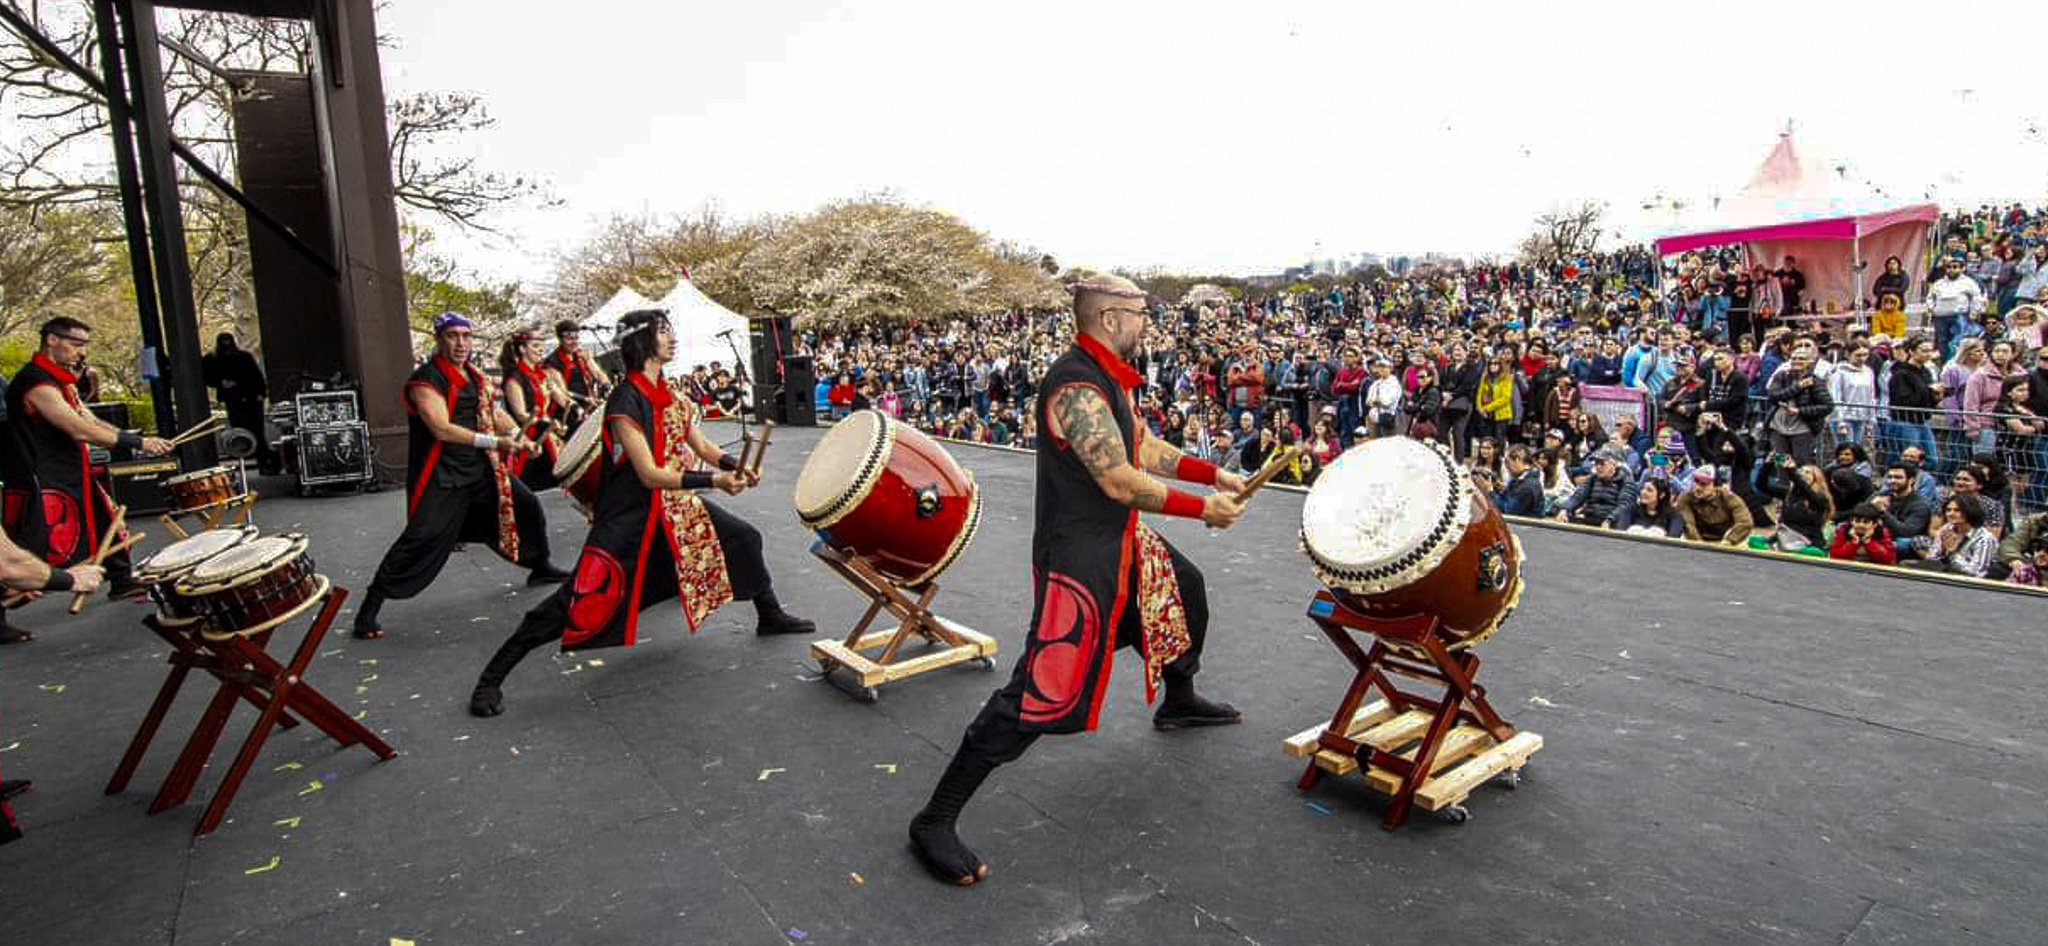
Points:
(1945, 436)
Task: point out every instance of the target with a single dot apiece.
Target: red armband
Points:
(1184, 505)
(1198, 472)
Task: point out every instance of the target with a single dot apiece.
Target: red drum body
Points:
(1394, 528)
(886, 491)
(252, 587)
(202, 489)
(576, 466)
(176, 560)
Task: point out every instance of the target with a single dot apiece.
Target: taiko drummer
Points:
(458, 480)
(652, 538)
(1104, 580)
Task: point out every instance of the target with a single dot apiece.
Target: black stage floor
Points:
(1737, 751)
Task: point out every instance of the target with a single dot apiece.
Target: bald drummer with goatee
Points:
(1103, 579)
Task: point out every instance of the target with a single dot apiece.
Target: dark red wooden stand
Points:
(245, 673)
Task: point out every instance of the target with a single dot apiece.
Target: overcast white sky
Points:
(1241, 137)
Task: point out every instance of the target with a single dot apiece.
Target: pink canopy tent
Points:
(1786, 209)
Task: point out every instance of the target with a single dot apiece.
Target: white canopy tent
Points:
(698, 324)
(603, 322)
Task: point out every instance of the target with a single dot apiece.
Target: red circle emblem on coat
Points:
(1067, 636)
(595, 593)
(65, 526)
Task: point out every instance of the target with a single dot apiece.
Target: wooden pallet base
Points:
(1467, 758)
(866, 672)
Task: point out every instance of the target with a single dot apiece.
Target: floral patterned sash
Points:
(701, 583)
(1162, 616)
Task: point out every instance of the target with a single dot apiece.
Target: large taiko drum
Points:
(576, 464)
(203, 489)
(253, 587)
(176, 560)
(1394, 528)
(880, 488)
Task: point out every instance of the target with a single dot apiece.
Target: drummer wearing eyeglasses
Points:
(652, 538)
(1103, 579)
(55, 507)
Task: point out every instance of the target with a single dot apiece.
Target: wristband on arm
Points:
(1183, 504)
(728, 462)
(1196, 471)
(697, 479)
(484, 441)
(59, 580)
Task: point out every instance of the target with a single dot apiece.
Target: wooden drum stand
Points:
(1431, 751)
(246, 674)
(956, 643)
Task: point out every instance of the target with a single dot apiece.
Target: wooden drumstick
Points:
(106, 548)
(1267, 472)
(760, 449)
(198, 430)
(746, 447)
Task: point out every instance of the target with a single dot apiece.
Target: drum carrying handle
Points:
(927, 500)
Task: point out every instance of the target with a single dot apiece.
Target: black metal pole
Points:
(135, 223)
(179, 360)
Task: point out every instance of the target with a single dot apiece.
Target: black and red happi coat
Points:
(1089, 555)
(575, 376)
(437, 471)
(54, 505)
(612, 574)
(537, 470)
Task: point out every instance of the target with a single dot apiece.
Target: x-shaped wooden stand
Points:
(246, 673)
(236, 511)
(915, 618)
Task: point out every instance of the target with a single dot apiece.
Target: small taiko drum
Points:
(176, 560)
(1394, 528)
(882, 489)
(576, 464)
(202, 489)
(252, 587)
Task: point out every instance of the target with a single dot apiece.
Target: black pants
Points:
(445, 517)
(998, 735)
(745, 569)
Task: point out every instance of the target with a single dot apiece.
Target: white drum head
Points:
(581, 445)
(181, 555)
(843, 467)
(252, 556)
(1378, 515)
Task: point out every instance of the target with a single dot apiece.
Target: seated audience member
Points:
(1605, 491)
(1924, 482)
(1712, 513)
(2031, 570)
(1848, 488)
(1522, 495)
(2013, 549)
(1863, 538)
(1900, 507)
(1961, 545)
(1653, 512)
(1667, 460)
(1803, 515)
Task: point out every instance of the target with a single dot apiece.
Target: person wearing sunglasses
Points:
(55, 507)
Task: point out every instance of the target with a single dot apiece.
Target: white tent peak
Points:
(698, 321)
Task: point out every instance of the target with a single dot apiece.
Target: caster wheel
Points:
(1510, 779)
(1454, 814)
(826, 665)
(868, 695)
(985, 664)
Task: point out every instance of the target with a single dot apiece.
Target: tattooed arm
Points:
(1081, 417)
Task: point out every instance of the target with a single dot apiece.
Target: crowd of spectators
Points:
(1910, 434)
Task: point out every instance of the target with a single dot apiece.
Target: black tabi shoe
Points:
(1194, 711)
(366, 627)
(9, 634)
(783, 622)
(486, 701)
(126, 588)
(546, 573)
(12, 787)
(939, 849)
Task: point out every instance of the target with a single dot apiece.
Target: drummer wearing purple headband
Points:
(458, 481)
(1104, 580)
(701, 556)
